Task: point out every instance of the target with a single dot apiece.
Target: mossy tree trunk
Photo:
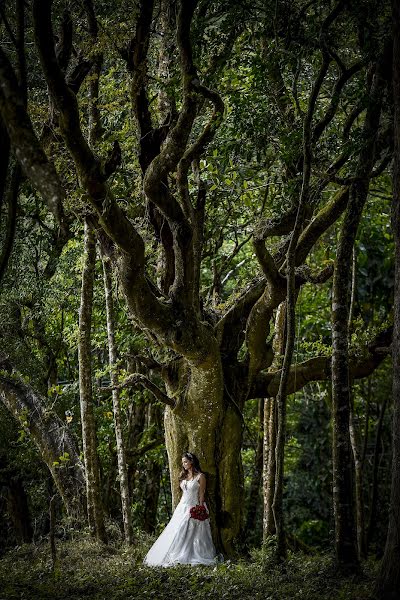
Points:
(358, 483)
(205, 422)
(253, 503)
(112, 353)
(269, 466)
(89, 442)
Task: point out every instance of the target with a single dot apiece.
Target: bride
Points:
(185, 539)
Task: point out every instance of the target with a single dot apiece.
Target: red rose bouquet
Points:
(199, 512)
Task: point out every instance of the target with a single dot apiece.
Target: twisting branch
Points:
(167, 161)
(305, 275)
(64, 45)
(139, 380)
(334, 104)
(319, 368)
(90, 172)
(326, 217)
(61, 93)
(197, 148)
(267, 262)
(28, 150)
(147, 308)
(136, 59)
(281, 225)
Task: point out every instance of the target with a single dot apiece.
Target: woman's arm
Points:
(202, 490)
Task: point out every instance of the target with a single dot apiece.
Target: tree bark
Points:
(355, 438)
(388, 582)
(93, 486)
(358, 470)
(112, 353)
(18, 510)
(378, 450)
(269, 466)
(254, 493)
(345, 538)
(208, 422)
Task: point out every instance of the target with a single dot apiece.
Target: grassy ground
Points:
(85, 569)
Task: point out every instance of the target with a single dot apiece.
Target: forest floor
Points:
(85, 569)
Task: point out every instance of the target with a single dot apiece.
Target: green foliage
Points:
(89, 570)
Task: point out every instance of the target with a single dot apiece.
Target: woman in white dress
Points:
(185, 540)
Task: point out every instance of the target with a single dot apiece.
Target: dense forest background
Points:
(199, 252)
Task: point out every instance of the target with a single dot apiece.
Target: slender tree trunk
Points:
(136, 427)
(269, 466)
(345, 539)
(366, 426)
(11, 197)
(270, 428)
(256, 479)
(93, 487)
(374, 485)
(135, 431)
(291, 297)
(354, 437)
(388, 583)
(345, 531)
(112, 353)
(151, 494)
(358, 469)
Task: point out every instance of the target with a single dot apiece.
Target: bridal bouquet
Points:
(199, 512)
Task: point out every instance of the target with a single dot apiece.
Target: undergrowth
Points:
(86, 569)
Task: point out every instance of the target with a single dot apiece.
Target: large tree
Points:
(165, 225)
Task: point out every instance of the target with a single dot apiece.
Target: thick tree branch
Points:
(63, 96)
(324, 219)
(139, 380)
(305, 275)
(136, 57)
(267, 262)
(173, 149)
(229, 329)
(197, 148)
(28, 150)
(319, 369)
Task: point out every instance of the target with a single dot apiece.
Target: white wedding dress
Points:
(184, 540)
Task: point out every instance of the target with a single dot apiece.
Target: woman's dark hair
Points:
(195, 465)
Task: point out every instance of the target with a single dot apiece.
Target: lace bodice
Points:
(190, 491)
